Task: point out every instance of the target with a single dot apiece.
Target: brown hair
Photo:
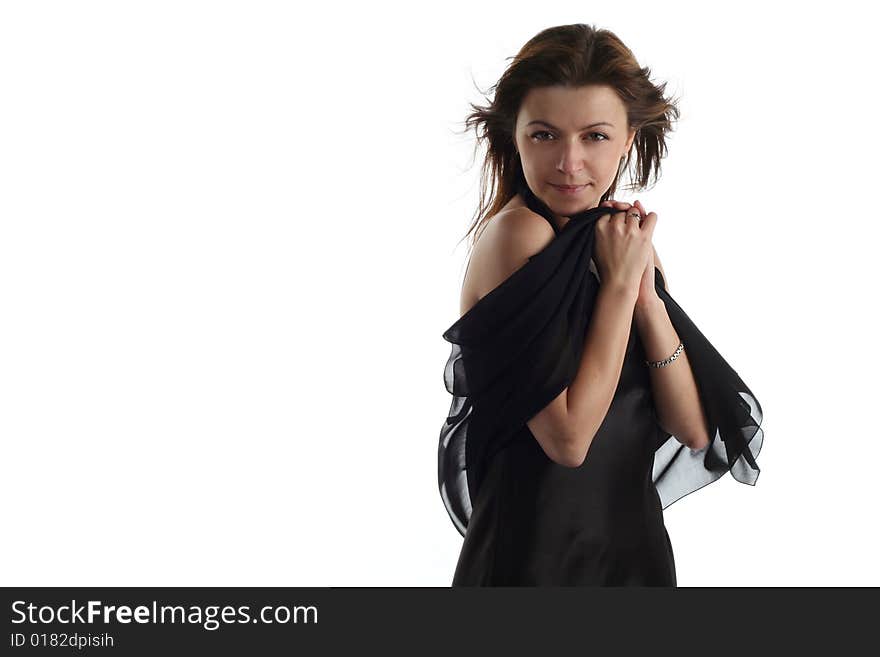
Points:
(569, 55)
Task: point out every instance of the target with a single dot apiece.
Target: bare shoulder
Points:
(508, 241)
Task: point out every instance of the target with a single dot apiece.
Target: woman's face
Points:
(571, 136)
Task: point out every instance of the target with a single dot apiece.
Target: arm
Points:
(565, 427)
(512, 237)
(677, 400)
(589, 396)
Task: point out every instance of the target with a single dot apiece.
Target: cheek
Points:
(610, 165)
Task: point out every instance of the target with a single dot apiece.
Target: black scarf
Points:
(520, 346)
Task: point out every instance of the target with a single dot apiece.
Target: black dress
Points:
(528, 521)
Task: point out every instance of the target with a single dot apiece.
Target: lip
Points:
(567, 189)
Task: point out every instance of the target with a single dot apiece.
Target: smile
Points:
(569, 190)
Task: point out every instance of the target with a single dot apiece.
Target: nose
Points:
(571, 159)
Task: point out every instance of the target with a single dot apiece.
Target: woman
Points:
(577, 413)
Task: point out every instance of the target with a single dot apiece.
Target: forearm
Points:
(590, 394)
(676, 398)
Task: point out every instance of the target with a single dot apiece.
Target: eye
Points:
(592, 134)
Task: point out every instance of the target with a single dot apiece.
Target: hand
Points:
(647, 287)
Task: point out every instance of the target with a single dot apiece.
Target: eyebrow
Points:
(553, 127)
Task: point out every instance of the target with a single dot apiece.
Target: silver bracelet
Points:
(664, 363)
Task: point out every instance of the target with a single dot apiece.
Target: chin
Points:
(571, 204)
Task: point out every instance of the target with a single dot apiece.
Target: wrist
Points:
(647, 306)
(623, 293)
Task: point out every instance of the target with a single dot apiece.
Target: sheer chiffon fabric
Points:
(520, 346)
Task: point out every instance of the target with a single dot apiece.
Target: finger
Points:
(642, 214)
(619, 205)
(649, 222)
(625, 218)
(632, 214)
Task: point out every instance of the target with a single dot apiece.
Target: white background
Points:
(229, 246)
